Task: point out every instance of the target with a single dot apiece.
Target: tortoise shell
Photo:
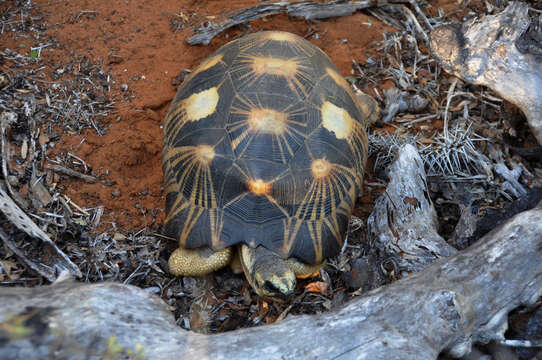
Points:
(264, 144)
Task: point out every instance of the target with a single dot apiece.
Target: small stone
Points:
(4, 81)
(114, 59)
(115, 193)
(24, 149)
(358, 276)
(180, 78)
(13, 180)
(124, 87)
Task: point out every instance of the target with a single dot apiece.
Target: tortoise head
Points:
(268, 274)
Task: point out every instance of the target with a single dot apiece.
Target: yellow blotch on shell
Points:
(205, 154)
(320, 168)
(274, 66)
(259, 187)
(209, 63)
(337, 120)
(205, 65)
(339, 80)
(200, 105)
(267, 121)
(280, 36)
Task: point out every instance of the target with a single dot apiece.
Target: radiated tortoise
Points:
(264, 148)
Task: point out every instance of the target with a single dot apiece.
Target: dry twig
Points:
(58, 261)
(66, 171)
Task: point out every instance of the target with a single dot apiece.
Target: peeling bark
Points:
(310, 10)
(496, 51)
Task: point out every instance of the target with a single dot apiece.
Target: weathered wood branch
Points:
(310, 10)
(403, 224)
(454, 301)
(500, 52)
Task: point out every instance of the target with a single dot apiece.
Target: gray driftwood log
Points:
(450, 304)
(500, 52)
(308, 9)
(403, 224)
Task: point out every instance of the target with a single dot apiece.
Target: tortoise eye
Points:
(270, 288)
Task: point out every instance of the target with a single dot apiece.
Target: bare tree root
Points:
(497, 51)
(453, 302)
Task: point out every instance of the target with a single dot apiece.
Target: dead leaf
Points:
(8, 266)
(271, 319)
(201, 309)
(358, 292)
(40, 193)
(426, 140)
(24, 149)
(82, 222)
(43, 139)
(318, 287)
(263, 309)
(284, 313)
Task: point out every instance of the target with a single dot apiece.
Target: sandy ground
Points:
(136, 42)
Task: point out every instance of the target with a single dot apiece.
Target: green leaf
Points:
(34, 54)
(351, 79)
(22, 46)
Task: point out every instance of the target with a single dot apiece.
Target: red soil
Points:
(139, 32)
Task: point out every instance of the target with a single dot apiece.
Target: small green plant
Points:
(14, 327)
(138, 353)
(115, 351)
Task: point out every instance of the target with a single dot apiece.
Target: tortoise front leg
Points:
(197, 262)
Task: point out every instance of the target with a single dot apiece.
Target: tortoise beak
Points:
(278, 287)
(268, 274)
